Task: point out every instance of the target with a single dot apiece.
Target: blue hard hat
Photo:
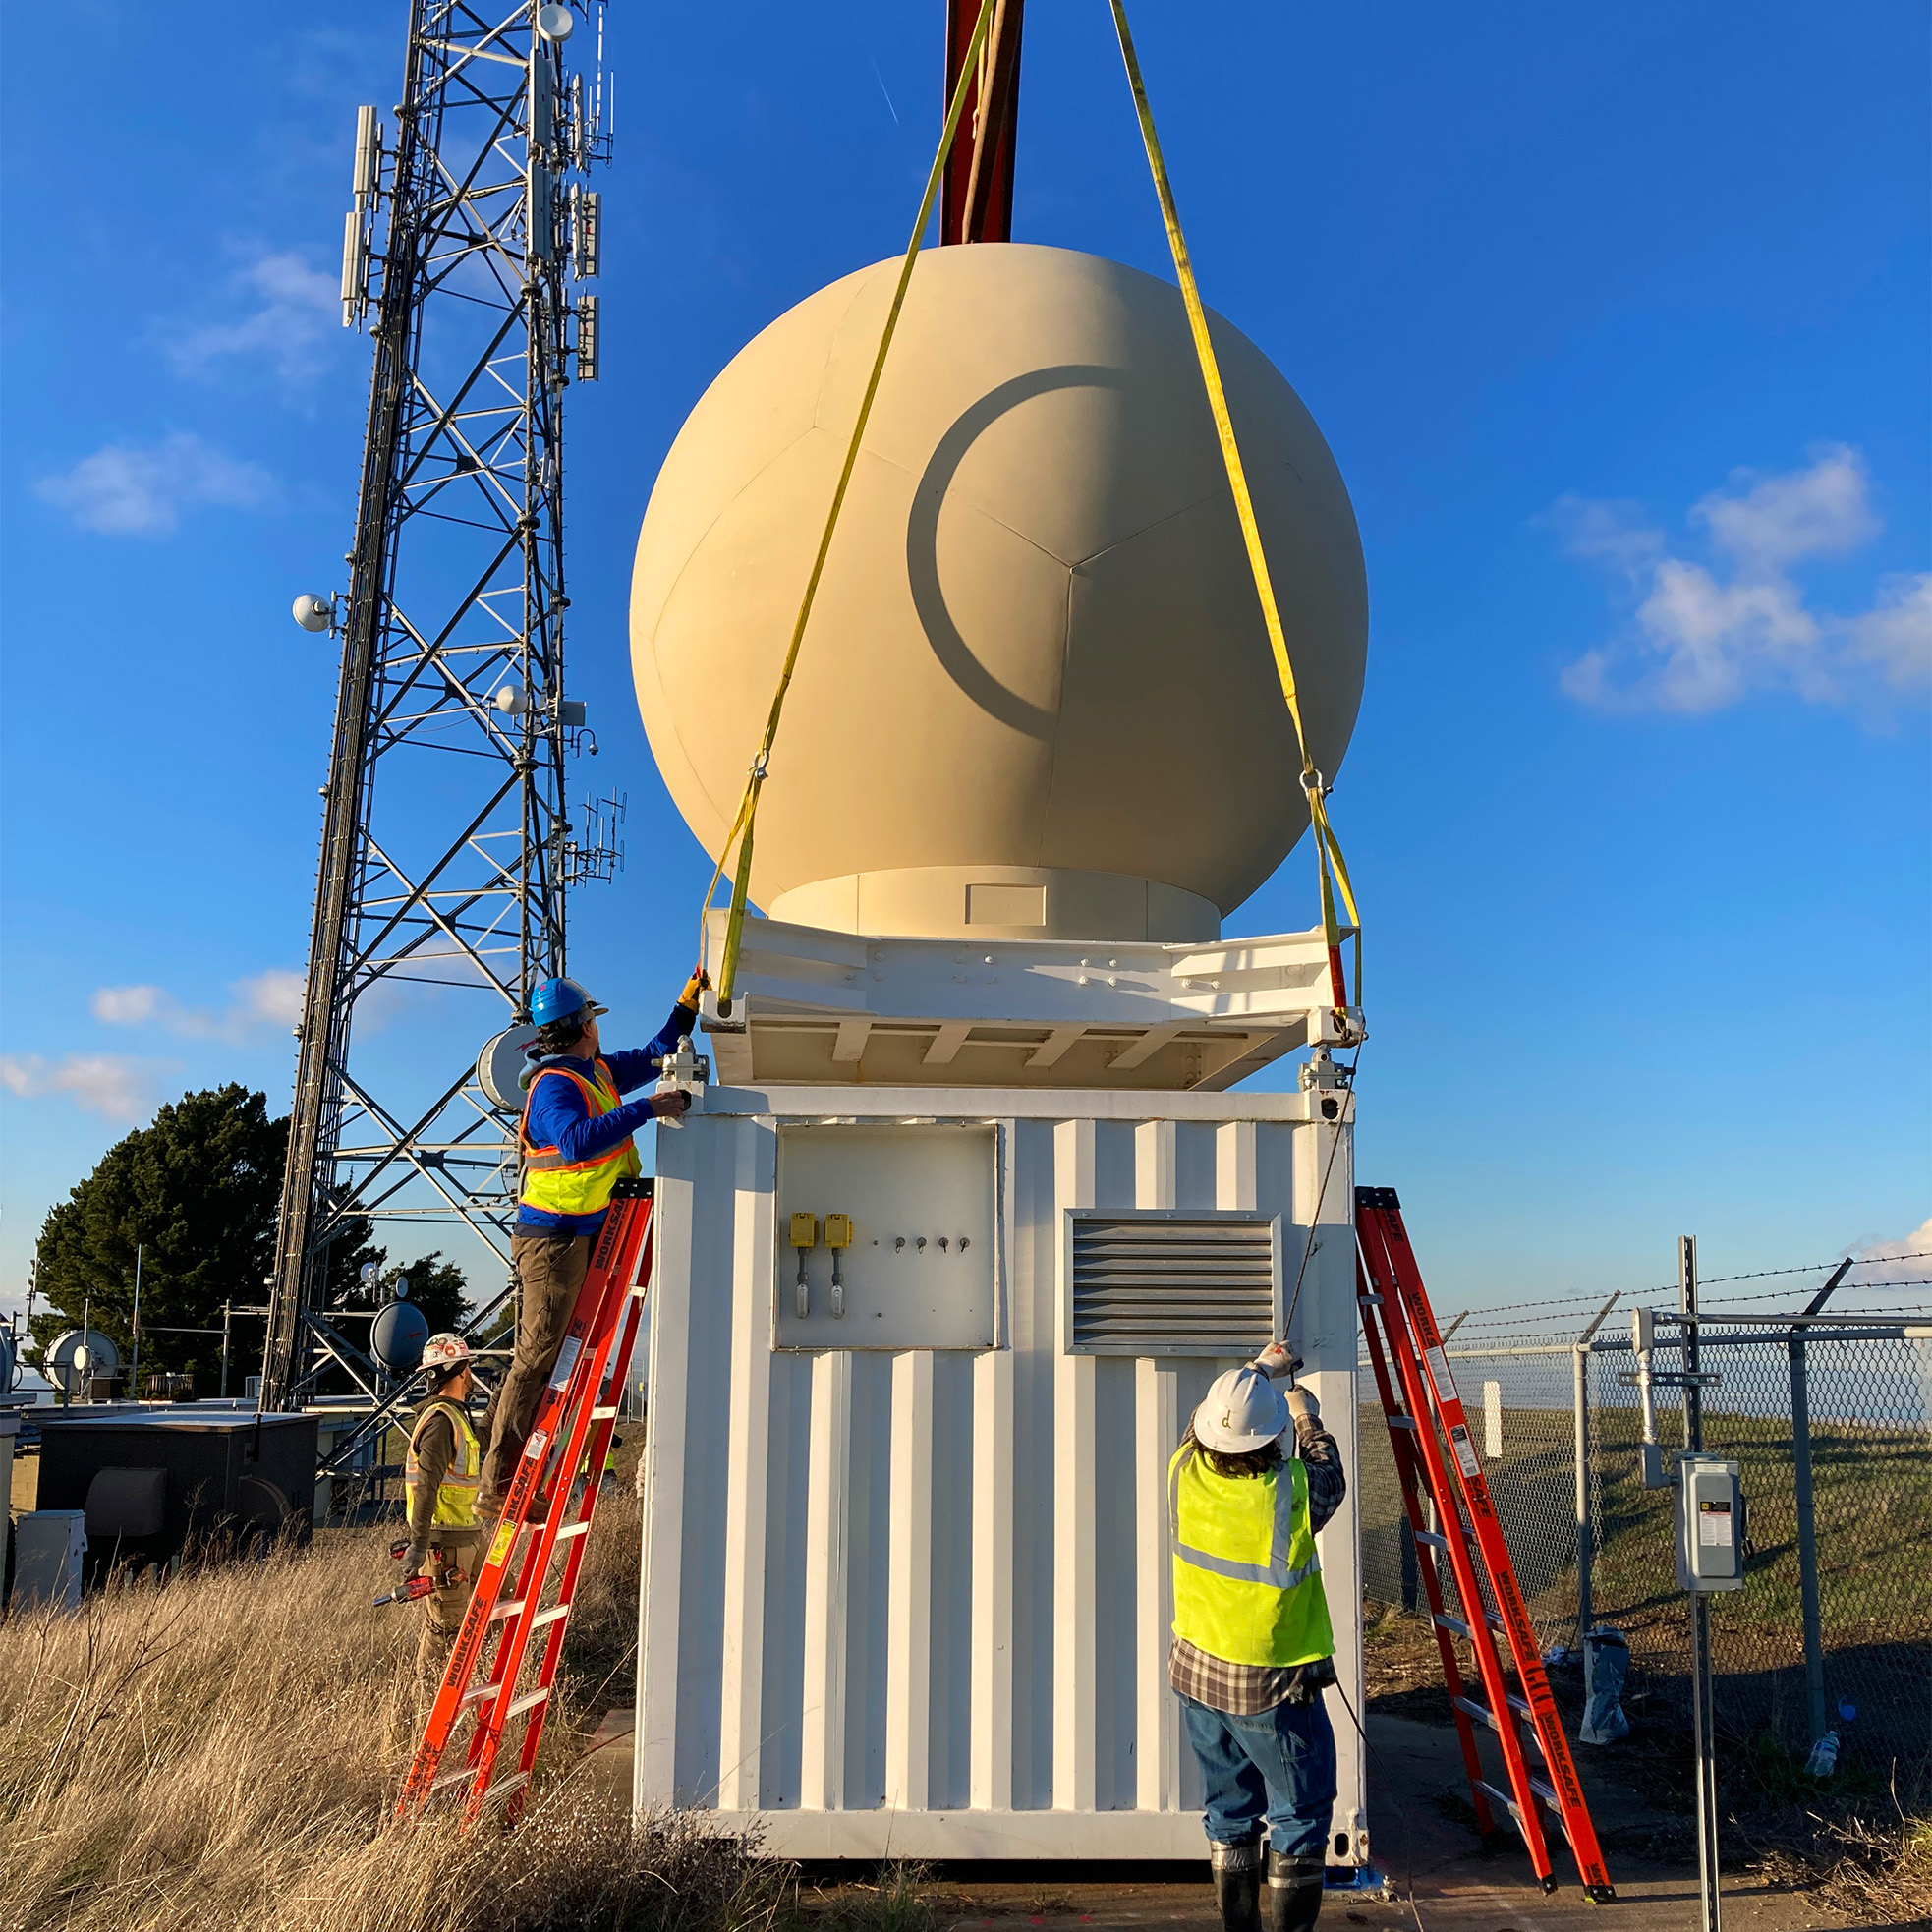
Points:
(561, 999)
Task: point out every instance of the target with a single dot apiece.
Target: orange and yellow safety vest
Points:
(557, 1186)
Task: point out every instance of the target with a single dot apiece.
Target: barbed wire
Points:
(1509, 1317)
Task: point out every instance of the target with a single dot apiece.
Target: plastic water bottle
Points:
(1823, 1760)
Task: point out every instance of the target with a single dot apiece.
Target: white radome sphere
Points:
(1035, 695)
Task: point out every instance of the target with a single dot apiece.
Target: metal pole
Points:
(1703, 1718)
(1807, 1536)
(226, 1310)
(1585, 1608)
(1807, 1526)
(1693, 1396)
(1703, 1712)
(133, 1369)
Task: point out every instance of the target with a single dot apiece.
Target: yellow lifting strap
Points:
(1327, 852)
(743, 825)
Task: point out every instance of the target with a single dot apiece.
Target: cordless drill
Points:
(414, 1588)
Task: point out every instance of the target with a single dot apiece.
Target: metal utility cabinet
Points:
(906, 1571)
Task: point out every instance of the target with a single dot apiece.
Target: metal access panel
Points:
(920, 1270)
(917, 1601)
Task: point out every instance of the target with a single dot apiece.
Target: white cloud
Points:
(115, 1085)
(269, 999)
(128, 489)
(1909, 1259)
(291, 309)
(1705, 635)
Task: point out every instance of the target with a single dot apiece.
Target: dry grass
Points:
(228, 1749)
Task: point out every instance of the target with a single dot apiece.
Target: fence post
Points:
(1586, 1531)
(1585, 1539)
(1807, 1534)
(1808, 1520)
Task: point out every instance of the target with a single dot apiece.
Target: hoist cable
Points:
(746, 822)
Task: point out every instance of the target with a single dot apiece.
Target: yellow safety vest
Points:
(1247, 1581)
(456, 1493)
(574, 1187)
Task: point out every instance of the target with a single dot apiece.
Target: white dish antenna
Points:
(555, 23)
(77, 1357)
(313, 613)
(501, 1066)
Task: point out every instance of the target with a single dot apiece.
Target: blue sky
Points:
(1618, 326)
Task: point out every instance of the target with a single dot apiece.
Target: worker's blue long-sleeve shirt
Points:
(559, 1117)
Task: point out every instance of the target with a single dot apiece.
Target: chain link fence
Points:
(1832, 1430)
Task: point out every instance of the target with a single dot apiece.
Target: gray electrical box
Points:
(1710, 1524)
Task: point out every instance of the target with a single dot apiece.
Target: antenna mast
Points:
(445, 850)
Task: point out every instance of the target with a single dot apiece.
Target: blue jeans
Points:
(1277, 1765)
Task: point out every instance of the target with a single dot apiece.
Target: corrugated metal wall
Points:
(917, 1602)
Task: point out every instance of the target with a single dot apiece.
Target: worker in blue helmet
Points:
(574, 1144)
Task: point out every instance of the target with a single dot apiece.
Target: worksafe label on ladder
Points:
(566, 1359)
(1439, 1374)
(1466, 1451)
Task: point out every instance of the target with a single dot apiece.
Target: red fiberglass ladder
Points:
(571, 1432)
(1425, 1417)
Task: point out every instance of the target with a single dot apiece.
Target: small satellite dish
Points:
(313, 613)
(396, 1338)
(369, 1270)
(501, 1066)
(402, 1287)
(76, 1359)
(555, 23)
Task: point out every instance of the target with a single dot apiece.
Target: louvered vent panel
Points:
(1147, 1286)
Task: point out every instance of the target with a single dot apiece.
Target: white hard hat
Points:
(1243, 1410)
(445, 1352)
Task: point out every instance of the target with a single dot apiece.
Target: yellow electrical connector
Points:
(805, 1237)
(838, 1231)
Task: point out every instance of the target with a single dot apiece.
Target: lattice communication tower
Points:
(446, 852)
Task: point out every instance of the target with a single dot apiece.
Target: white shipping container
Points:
(906, 1569)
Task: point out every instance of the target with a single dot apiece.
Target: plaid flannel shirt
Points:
(1246, 1689)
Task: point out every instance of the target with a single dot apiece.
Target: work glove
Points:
(671, 1104)
(415, 1559)
(1303, 1407)
(692, 987)
(1277, 1363)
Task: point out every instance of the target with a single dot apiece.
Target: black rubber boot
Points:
(1238, 1885)
(1294, 1893)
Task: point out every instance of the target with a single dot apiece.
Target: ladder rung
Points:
(509, 1606)
(482, 1687)
(511, 1784)
(1549, 1797)
(1430, 1537)
(465, 1775)
(604, 1415)
(529, 1701)
(1462, 1629)
(1369, 1300)
(1402, 1422)
(1481, 1714)
(584, 1529)
(557, 1610)
(1502, 1798)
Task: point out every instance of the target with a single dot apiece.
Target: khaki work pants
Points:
(550, 1269)
(442, 1614)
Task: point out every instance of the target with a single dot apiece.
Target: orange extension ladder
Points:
(1425, 1417)
(572, 1429)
